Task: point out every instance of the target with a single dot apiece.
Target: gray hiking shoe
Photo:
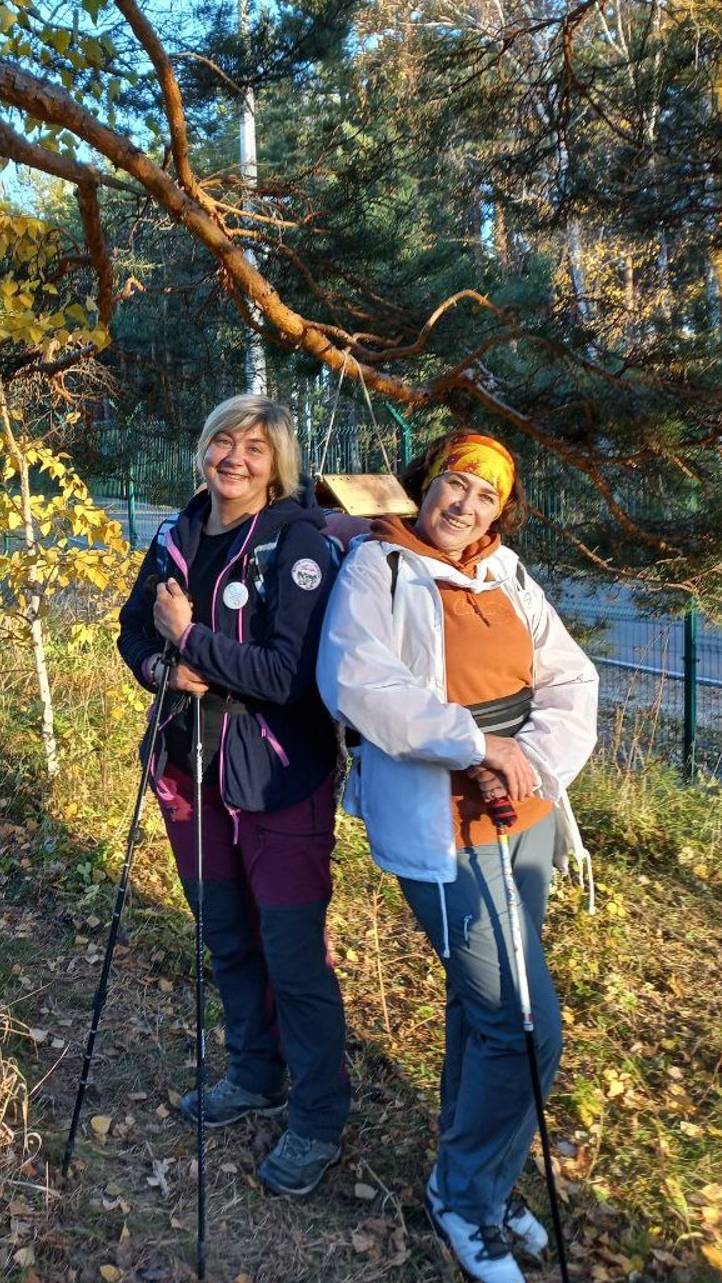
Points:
(530, 1234)
(482, 1250)
(297, 1163)
(225, 1102)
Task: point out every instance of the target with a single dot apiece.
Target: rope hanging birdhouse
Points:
(361, 494)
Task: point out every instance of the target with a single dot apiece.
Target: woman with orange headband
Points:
(462, 683)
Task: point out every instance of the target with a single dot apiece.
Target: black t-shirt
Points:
(210, 558)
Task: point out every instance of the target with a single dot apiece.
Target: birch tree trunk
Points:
(33, 597)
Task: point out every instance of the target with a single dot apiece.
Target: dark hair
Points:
(513, 514)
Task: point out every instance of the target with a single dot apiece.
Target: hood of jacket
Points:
(486, 565)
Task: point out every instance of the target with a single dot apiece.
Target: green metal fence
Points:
(670, 669)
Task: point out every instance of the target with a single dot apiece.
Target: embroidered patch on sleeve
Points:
(306, 574)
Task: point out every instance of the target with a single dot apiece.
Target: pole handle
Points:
(502, 812)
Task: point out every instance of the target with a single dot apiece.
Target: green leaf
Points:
(94, 51)
(76, 313)
(93, 7)
(58, 40)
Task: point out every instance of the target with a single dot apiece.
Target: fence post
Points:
(132, 524)
(406, 446)
(690, 691)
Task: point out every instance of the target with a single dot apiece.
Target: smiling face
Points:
(457, 511)
(239, 467)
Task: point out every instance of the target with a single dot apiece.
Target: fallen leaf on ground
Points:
(24, 1256)
(101, 1124)
(109, 1273)
(710, 1252)
(366, 1192)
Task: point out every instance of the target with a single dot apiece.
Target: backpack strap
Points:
(263, 558)
(161, 546)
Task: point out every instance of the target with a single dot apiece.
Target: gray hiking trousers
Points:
(487, 1119)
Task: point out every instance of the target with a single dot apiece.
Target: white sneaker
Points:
(527, 1230)
(481, 1250)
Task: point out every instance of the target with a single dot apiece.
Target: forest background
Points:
(505, 216)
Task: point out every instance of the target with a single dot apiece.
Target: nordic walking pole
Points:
(133, 836)
(200, 987)
(503, 814)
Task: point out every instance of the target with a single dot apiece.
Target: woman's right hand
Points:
(504, 756)
(186, 679)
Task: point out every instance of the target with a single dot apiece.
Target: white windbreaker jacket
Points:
(381, 670)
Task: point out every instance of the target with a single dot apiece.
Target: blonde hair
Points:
(238, 414)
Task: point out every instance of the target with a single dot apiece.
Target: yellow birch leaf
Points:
(101, 1124)
(712, 1254)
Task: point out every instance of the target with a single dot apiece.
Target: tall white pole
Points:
(255, 360)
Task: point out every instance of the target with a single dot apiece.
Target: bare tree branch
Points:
(95, 240)
(45, 101)
(175, 114)
(23, 152)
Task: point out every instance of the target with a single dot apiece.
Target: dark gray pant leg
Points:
(310, 1017)
(239, 970)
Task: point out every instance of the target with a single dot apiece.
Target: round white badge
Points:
(306, 574)
(235, 595)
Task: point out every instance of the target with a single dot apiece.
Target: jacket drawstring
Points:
(586, 862)
(445, 951)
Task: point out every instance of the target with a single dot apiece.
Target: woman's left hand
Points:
(172, 611)
(491, 783)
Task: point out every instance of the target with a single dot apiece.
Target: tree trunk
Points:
(713, 289)
(501, 239)
(629, 295)
(576, 271)
(33, 598)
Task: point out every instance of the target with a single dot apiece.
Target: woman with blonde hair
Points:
(238, 586)
(446, 658)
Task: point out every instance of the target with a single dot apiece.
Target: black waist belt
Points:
(504, 716)
(219, 704)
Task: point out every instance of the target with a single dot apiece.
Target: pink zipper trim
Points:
(225, 569)
(185, 637)
(267, 734)
(232, 811)
(177, 556)
(224, 728)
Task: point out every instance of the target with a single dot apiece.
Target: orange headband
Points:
(482, 457)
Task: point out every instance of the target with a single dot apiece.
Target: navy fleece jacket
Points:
(263, 653)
